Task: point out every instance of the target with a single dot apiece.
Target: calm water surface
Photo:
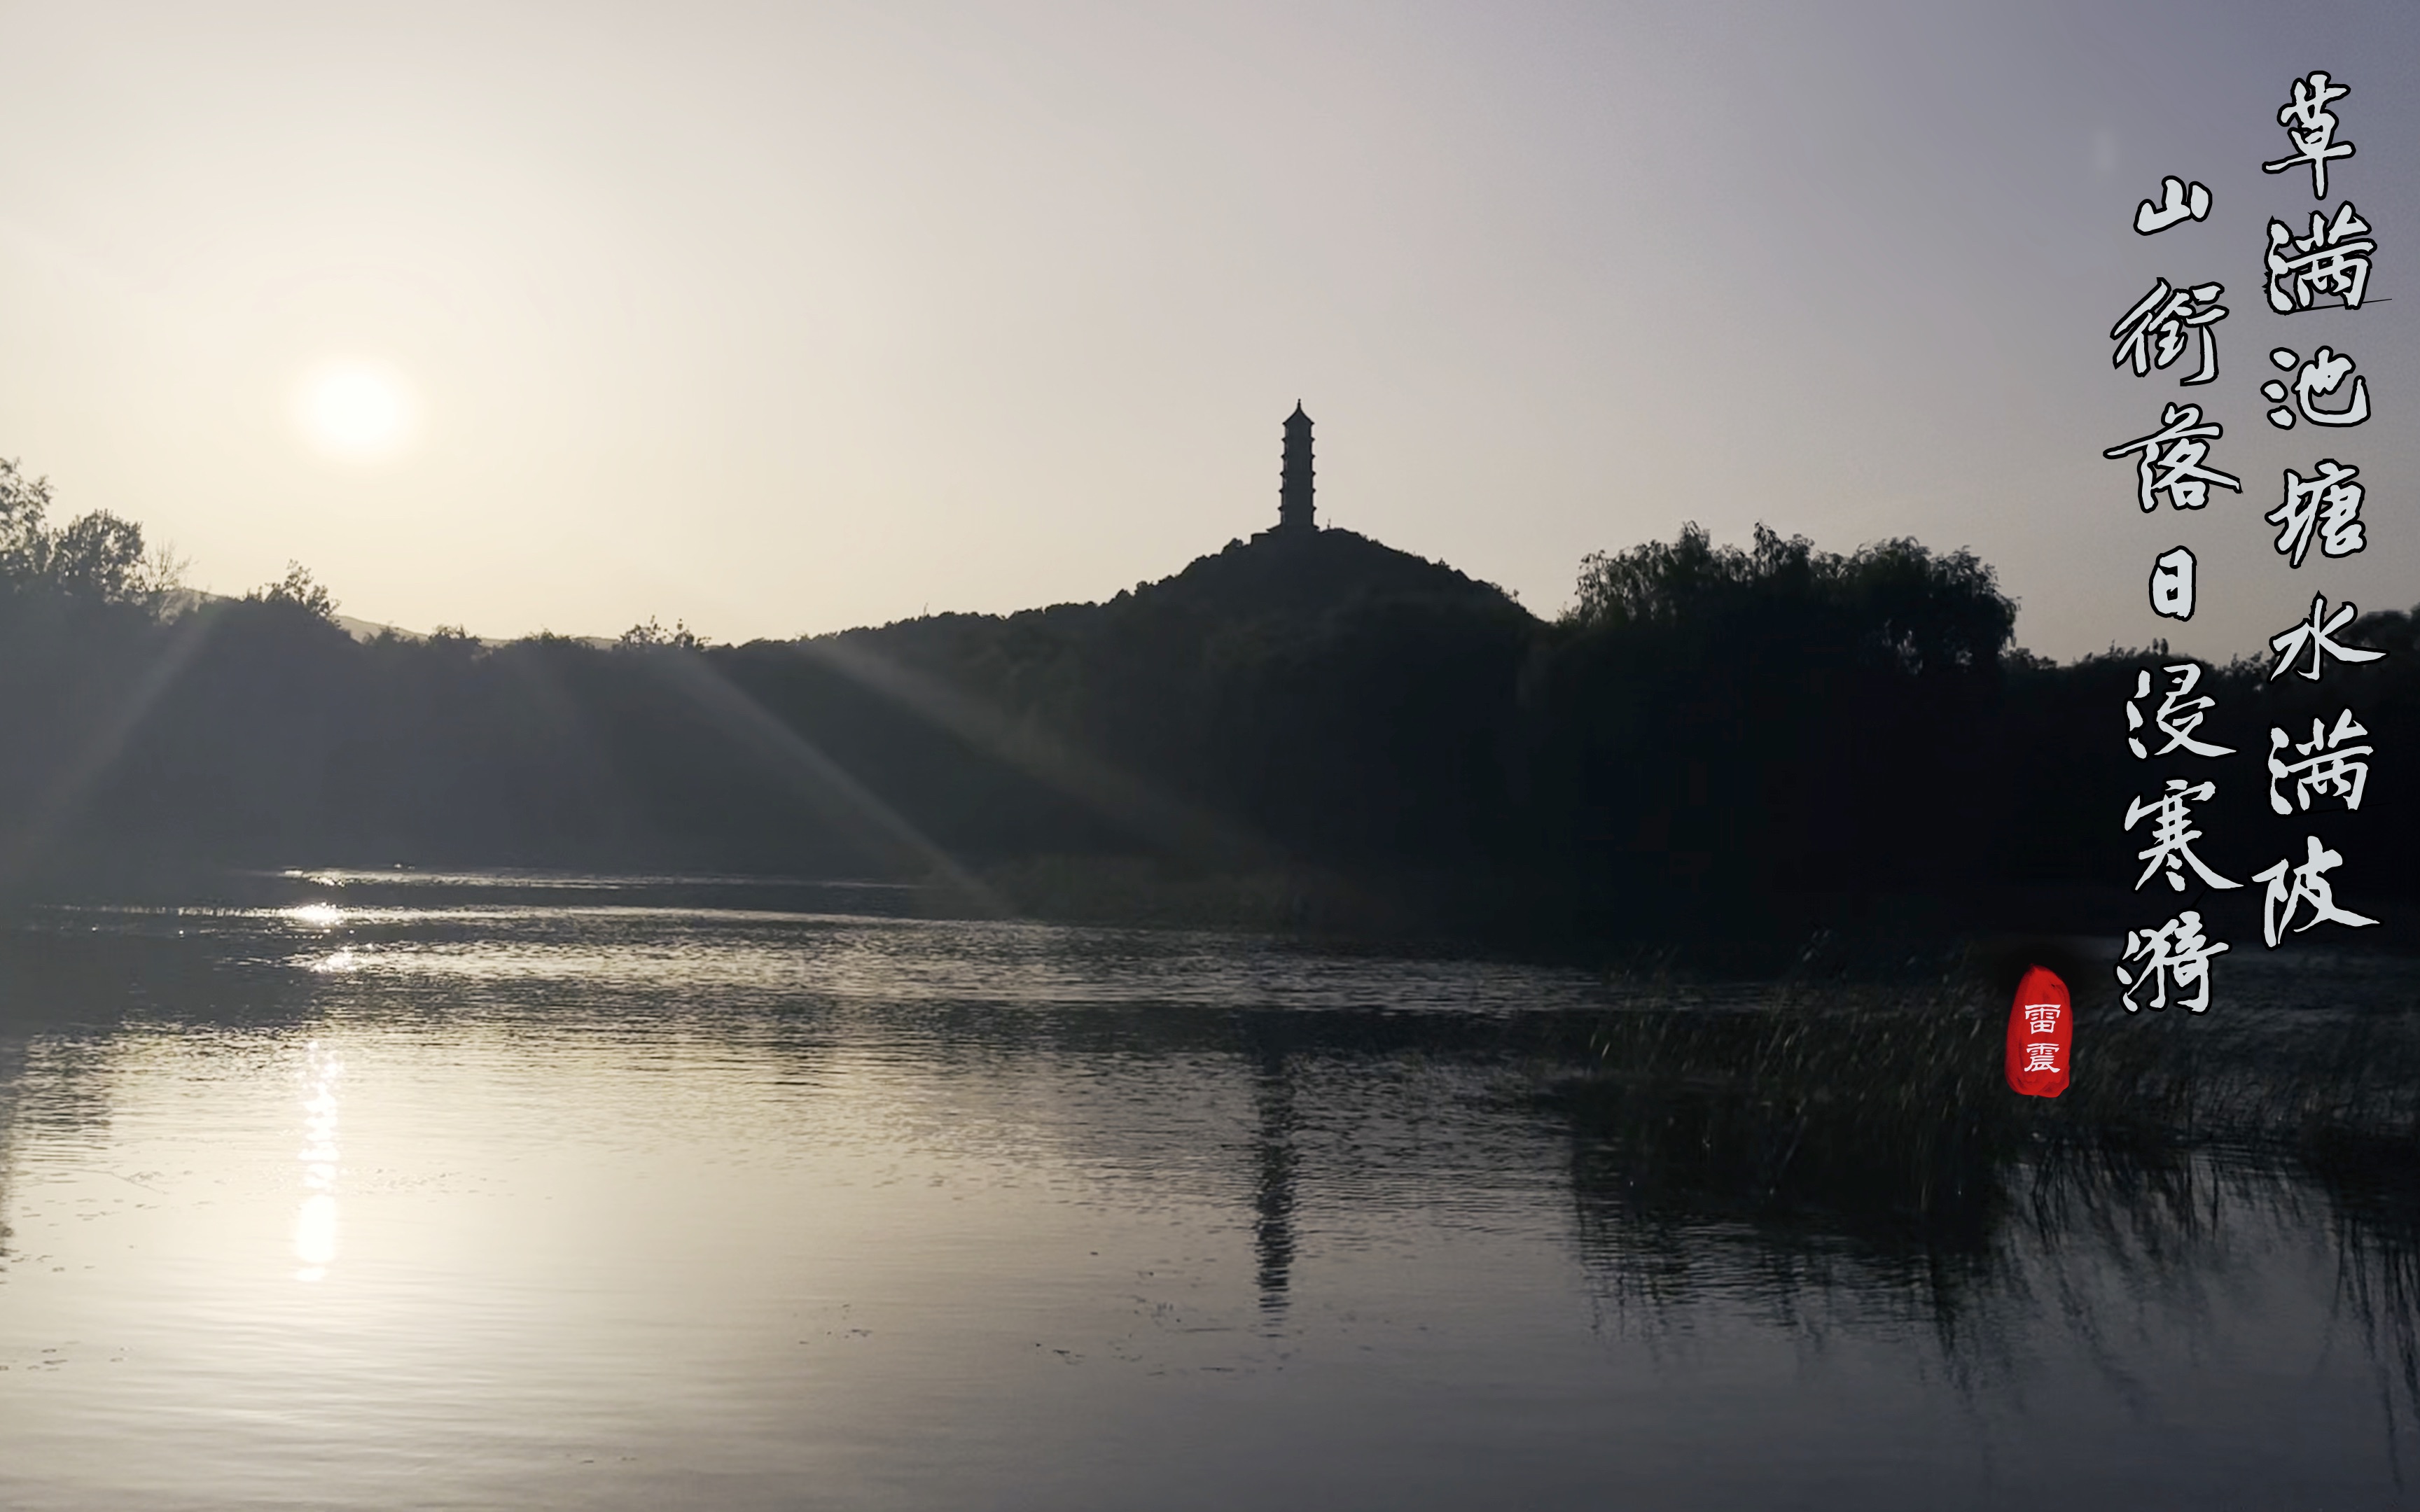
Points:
(478, 1193)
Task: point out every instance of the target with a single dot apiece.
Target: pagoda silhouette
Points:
(1296, 567)
(1294, 477)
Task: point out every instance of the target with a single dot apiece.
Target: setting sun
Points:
(356, 410)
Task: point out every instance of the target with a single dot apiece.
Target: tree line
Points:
(1757, 740)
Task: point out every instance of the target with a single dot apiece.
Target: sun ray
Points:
(74, 780)
(1142, 808)
(875, 825)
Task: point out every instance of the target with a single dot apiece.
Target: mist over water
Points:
(488, 1191)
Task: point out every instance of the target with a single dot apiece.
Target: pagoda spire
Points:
(1294, 479)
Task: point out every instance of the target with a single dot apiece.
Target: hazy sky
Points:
(782, 318)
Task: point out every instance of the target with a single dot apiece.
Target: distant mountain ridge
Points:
(184, 600)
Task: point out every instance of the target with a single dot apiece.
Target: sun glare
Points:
(356, 410)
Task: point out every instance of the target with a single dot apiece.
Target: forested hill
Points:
(1292, 697)
(1756, 740)
(1275, 588)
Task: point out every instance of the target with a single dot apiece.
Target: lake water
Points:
(484, 1193)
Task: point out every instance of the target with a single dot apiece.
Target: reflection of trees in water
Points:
(1844, 1167)
(65, 992)
(12, 1067)
(2173, 1221)
(2373, 1199)
(1830, 1161)
(51, 987)
(1833, 1161)
(53, 1092)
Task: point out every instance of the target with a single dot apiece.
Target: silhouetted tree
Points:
(651, 634)
(298, 589)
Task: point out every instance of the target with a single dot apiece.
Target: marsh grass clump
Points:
(1887, 1105)
(1834, 1145)
(1879, 1115)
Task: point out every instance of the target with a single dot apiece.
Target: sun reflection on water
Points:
(319, 916)
(315, 1221)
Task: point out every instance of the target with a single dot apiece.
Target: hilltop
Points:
(1275, 580)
